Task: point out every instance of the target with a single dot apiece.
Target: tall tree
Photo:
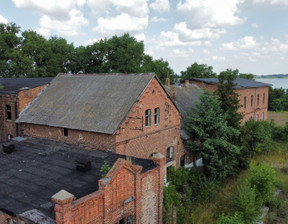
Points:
(197, 71)
(159, 66)
(212, 136)
(229, 100)
(247, 76)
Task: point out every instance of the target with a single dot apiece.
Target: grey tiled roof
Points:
(39, 168)
(13, 85)
(240, 82)
(89, 102)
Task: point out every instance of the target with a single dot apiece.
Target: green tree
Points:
(246, 76)
(197, 71)
(212, 136)
(229, 101)
(159, 66)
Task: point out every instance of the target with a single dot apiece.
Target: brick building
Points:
(253, 95)
(45, 181)
(15, 95)
(129, 114)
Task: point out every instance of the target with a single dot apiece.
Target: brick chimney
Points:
(167, 82)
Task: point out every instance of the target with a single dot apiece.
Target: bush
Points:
(280, 133)
(171, 199)
(263, 178)
(178, 177)
(235, 219)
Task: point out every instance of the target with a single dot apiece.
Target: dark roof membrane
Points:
(11, 86)
(39, 168)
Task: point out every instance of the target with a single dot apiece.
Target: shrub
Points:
(171, 199)
(235, 219)
(178, 177)
(263, 178)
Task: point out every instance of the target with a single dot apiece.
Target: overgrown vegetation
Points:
(104, 169)
(278, 99)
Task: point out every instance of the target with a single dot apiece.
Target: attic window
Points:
(8, 112)
(147, 118)
(65, 131)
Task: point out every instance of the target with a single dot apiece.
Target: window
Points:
(262, 116)
(169, 154)
(8, 112)
(244, 102)
(156, 115)
(147, 118)
(263, 98)
(182, 161)
(9, 137)
(127, 220)
(65, 132)
(258, 98)
(257, 117)
(251, 100)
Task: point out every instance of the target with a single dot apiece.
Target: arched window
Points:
(169, 154)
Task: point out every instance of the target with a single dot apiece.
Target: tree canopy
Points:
(197, 71)
(212, 137)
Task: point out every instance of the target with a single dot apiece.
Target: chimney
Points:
(167, 83)
(187, 84)
(173, 91)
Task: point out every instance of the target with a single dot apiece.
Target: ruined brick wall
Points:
(7, 219)
(209, 87)
(26, 96)
(135, 139)
(8, 126)
(123, 192)
(90, 139)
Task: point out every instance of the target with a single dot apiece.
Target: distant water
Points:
(276, 83)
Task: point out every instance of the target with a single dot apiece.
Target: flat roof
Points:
(39, 168)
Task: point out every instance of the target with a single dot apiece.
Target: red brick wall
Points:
(8, 127)
(90, 139)
(26, 96)
(109, 204)
(250, 112)
(134, 139)
(4, 218)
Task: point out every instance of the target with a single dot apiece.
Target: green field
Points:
(280, 118)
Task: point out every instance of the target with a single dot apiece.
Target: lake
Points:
(276, 83)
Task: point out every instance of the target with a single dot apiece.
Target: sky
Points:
(249, 35)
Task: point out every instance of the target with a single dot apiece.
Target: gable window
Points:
(156, 115)
(147, 118)
(244, 102)
(258, 99)
(65, 132)
(169, 154)
(263, 98)
(8, 112)
(251, 100)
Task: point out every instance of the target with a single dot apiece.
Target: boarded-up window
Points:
(147, 118)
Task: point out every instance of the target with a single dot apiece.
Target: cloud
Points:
(210, 13)
(98, 7)
(135, 8)
(156, 19)
(121, 24)
(264, 4)
(218, 58)
(42, 31)
(172, 39)
(255, 25)
(205, 51)
(176, 53)
(160, 6)
(245, 43)
(70, 27)
(3, 19)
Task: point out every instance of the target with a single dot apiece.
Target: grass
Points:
(280, 118)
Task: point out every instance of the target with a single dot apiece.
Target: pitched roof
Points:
(89, 102)
(240, 82)
(11, 86)
(39, 168)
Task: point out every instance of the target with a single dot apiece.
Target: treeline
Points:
(28, 54)
(278, 99)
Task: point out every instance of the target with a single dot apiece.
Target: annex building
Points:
(253, 95)
(15, 95)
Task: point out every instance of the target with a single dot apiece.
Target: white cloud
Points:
(218, 58)
(3, 19)
(98, 7)
(268, 3)
(247, 42)
(210, 13)
(172, 39)
(121, 24)
(156, 19)
(135, 8)
(70, 27)
(42, 31)
(160, 6)
(255, 25)
(176, 53)
(205, 51)
(54, 8)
